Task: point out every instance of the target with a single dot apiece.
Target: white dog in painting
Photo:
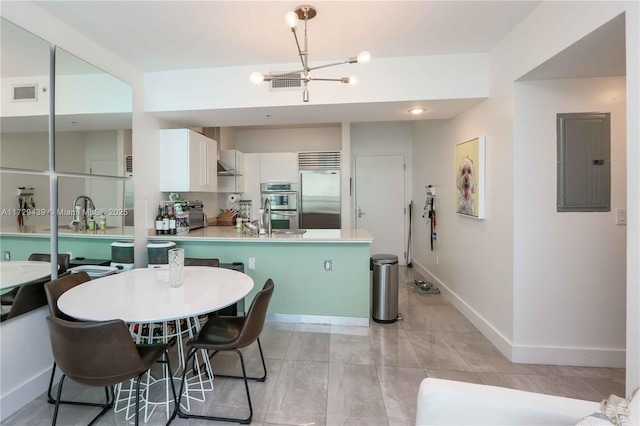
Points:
(467, 186)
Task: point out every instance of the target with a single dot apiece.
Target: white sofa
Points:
(446, 402)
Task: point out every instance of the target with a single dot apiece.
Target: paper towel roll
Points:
(233, 198)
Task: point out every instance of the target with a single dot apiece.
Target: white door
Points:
(380, 202)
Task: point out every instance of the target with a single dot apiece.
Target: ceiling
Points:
(174, 35)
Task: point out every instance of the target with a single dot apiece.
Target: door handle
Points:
(360, 214)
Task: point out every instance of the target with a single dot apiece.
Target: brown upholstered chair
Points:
(102, 354)
(63, 264)
(192, 261)
(63, 260)
(28, 297)
(231, 334)
(53, 290)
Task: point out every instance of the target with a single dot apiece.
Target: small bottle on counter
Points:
(172, 222)
(159, 221)
(92, 224)
(103, 222)
(165, 221)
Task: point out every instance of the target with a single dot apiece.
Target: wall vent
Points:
(25, 93)
(328, 160)
(290, 83)
(128, 163)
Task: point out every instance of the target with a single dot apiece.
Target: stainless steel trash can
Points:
(385, 288)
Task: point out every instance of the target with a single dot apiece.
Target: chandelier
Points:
(304, 75)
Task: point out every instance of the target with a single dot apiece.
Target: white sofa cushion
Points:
(446, 402)
(634, 408)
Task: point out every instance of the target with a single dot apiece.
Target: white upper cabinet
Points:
(279, 166)
(233, 179)
(188, 161)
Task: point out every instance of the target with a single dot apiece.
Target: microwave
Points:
(197, 218)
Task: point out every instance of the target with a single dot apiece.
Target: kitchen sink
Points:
(288, 231)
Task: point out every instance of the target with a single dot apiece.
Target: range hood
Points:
(226, 170)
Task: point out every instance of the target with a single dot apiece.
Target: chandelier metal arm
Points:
(348, 61)
(300, 53)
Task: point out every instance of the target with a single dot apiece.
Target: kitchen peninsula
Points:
(24, 240)
(321, 276)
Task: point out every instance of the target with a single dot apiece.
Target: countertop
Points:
(231, 233)
(210, 233)
(63, 231)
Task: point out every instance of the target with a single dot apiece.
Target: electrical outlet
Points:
(328, 265)
(6, 255)
(252, 263)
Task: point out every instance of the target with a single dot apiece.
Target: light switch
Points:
(621, 216)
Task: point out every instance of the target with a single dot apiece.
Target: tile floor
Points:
(333, 375)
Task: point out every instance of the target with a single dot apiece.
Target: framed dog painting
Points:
(469, 195)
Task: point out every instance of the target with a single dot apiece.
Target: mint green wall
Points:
(302, 286)
(22, 246)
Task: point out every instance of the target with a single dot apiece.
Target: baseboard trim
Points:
(319, 319)
(526, 354)
(582, 357)
(17, 398)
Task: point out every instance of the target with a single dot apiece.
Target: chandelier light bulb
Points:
(291, 19)
(353, 80)
(256, 77)
(364, 57)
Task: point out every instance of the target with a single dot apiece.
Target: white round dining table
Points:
(18, 272)
(144, 295)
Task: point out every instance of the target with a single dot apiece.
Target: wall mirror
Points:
(24, 111)
(93, 118)
(95, 196)
(24, 144)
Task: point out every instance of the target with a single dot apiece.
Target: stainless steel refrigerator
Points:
(320, 199)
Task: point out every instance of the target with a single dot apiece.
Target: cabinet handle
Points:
(204, 164)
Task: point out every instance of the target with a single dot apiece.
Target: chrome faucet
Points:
(77, 213)
(267, 213)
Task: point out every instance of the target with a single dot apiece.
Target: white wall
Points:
(551, 28)
(472, 259)
(289, 139)
(486, 295)
(25, 150)
(570, 268)
(395, 79)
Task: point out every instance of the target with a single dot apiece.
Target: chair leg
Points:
(105, 407)
(184, 415)
(138, 396)
(51, 400)
(258, 379)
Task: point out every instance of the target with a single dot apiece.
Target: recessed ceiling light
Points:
(416, 111)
